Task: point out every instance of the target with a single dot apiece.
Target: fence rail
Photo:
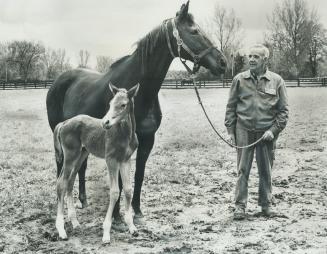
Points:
(168, 83)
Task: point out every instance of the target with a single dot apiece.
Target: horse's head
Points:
(193, 44)
(120, 105)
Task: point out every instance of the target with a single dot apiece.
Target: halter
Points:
(180, 44)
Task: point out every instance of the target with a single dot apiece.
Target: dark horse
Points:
(82, 91)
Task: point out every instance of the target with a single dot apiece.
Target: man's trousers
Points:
(264, 157)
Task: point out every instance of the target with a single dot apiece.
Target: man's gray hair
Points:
(262, 48)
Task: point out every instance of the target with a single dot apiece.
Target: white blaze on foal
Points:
(112, 138)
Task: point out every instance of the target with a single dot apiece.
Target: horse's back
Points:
(70, 93)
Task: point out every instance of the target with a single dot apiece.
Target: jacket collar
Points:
(266, 75)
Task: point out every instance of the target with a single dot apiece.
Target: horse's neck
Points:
(147, 69)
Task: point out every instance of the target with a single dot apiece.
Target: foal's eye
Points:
(123, 105)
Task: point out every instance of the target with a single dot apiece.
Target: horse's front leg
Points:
(145, 146)
(113, 168)
(125, 172)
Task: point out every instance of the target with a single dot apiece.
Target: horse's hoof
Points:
(118, 219)
(135, 233)
(138, 214)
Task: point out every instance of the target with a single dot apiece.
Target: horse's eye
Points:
(123, 105)
(194, 31)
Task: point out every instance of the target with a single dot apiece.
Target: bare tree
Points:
(103, 63)
(25, 57)
(225, 28)
(295, 36)
(84, 56)
(317, 42)
(55, 62)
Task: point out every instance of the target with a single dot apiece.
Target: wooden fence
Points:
(183, 84)
(168, 83)
(21, 84)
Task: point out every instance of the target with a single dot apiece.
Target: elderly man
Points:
(257, 107)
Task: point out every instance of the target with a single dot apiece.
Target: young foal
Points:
(112, 138)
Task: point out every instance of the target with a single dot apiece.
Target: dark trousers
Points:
(264, 157)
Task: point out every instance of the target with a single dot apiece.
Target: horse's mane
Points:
(147, 45)
(117, 62)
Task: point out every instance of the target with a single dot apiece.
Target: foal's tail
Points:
(58, 148)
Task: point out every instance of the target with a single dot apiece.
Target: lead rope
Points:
(196, 60)
(211, 124)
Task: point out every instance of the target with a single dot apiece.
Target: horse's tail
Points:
(55, 98)
(59, 155)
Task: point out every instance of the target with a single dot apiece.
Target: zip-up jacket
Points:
(257, 105)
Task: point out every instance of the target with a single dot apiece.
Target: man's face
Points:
(256, 60)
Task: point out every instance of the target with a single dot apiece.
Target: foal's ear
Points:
(133, 91)
(113, 89)
(182, 13)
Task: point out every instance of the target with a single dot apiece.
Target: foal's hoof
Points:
(76, 224)
(105, 241)
(63, 238)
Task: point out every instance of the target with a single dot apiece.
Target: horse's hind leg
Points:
(70, 199)
(81, 186)
(113, 168)
(127, 186)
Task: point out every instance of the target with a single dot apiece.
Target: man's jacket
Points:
(257, 105)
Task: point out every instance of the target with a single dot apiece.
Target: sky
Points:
(112, 27)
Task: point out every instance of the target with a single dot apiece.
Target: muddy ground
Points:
(187, 198)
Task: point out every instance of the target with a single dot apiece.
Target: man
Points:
(257, 107)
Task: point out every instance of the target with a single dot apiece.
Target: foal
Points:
(112, 138)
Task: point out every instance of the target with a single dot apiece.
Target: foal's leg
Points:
(70, 199)
(62, 185)
(113, 168)
(127, 186)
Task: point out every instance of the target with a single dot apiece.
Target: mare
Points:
(80, 91)
(112, 138)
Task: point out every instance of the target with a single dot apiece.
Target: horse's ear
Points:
(113, 89)
(133, 91)
(182, 13)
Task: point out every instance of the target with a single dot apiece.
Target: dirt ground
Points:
(187, 198)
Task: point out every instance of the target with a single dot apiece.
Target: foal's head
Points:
(120, 105)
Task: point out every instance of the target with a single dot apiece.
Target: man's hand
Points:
(268, 135)
(232, 139)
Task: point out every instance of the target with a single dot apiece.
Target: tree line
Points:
(29, 60)
(295, 36)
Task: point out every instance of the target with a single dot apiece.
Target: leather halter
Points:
(180, 44)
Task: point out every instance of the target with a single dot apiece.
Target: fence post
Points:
(298, 82)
